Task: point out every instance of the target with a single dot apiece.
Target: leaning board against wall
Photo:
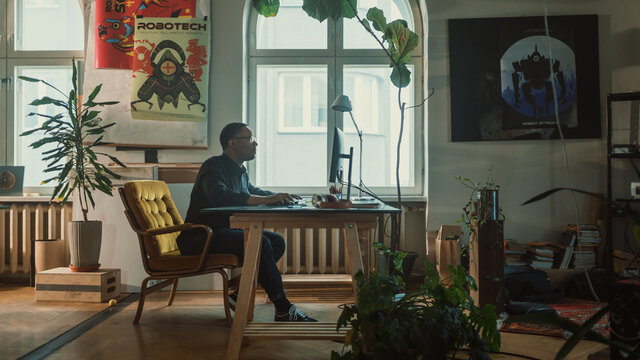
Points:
(148, 128)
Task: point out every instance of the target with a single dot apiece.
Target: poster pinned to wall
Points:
(115, 26)
(170, 70)
(508, 78)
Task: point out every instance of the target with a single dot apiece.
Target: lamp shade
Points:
(341, 103)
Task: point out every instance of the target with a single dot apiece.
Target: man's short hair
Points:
(229, 132)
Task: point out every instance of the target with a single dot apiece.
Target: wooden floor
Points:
(194, 327)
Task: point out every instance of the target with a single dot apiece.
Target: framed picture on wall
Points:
(506, 76)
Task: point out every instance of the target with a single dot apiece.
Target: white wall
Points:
(522, 168)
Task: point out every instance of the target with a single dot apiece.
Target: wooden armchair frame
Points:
(207, 263)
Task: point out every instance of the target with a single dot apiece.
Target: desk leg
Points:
(247, 284)
(365, 249)
(353, 255)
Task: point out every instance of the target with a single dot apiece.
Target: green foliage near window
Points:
(73, 163)
(433, 321)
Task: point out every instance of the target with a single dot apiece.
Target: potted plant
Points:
(434, 321)
(74, 163)
(483, 202)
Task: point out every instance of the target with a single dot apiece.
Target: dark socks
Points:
(282, 305)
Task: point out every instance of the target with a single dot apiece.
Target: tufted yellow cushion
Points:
(153, 208)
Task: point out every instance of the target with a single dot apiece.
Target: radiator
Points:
(24, 222)
(320, 251)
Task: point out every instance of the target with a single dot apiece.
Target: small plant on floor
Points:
(434, 321)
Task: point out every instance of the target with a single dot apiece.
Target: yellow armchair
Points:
(152, 214)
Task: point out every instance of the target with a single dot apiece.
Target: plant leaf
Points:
(323, 9)
(376, 16)
(397, 80)
(267, 8)
(29, 79)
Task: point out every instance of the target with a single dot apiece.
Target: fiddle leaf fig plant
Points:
(75, 131)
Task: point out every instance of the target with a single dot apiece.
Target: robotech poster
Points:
(170, 69)
(115, 25)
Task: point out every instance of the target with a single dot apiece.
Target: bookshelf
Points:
(618, 152)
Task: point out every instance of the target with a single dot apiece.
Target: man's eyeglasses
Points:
(251, 139)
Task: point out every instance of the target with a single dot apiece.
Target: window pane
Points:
(292, 28)
(375, 109)
(26, 92)
(291, 99)
(356, 37)
(48, 25)
(291, 128)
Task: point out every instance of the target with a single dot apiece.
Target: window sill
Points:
(28, 199)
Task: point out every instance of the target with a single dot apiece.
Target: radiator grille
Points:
(24, 222)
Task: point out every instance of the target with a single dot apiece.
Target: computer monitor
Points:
(336, 160)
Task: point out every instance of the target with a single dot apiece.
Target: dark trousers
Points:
(231, 241)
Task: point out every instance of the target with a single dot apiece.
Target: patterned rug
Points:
(576, 310)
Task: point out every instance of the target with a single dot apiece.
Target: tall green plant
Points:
(395, 38)
(73, 162)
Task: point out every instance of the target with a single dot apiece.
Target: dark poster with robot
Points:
(508, 78)
(170, 69)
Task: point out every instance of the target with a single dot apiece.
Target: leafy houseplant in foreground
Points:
(73, 163)
(432, 322)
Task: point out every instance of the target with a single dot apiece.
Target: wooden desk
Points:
(355, 224)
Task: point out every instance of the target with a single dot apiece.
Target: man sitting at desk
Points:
(223, 181)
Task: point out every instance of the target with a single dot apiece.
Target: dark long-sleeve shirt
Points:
(220, 182)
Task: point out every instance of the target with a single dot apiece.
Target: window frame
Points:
(335, 57)
(10, 59)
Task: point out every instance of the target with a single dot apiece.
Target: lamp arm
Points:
(356, 125)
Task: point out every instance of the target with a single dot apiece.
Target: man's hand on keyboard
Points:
(282, 199)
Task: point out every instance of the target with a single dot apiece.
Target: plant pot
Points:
(85, 239)
(48, 254)
(487, 205)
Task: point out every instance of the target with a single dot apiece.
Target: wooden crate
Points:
(61, 284)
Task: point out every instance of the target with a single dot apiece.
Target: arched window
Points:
(297, 66)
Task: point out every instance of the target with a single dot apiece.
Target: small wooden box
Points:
(61, 284)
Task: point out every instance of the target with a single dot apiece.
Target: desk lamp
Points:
(342, 104)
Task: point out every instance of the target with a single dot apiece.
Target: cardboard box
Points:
(61, 284)
(624, 264)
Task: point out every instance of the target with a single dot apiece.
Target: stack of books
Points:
(514, 252)
(540, 255)
(567, 243)
(586, 247)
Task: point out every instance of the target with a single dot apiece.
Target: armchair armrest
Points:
(183, 227)
(170, 229)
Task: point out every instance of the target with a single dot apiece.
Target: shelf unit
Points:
(633, 153)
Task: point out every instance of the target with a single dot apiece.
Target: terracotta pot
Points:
(85, 239)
